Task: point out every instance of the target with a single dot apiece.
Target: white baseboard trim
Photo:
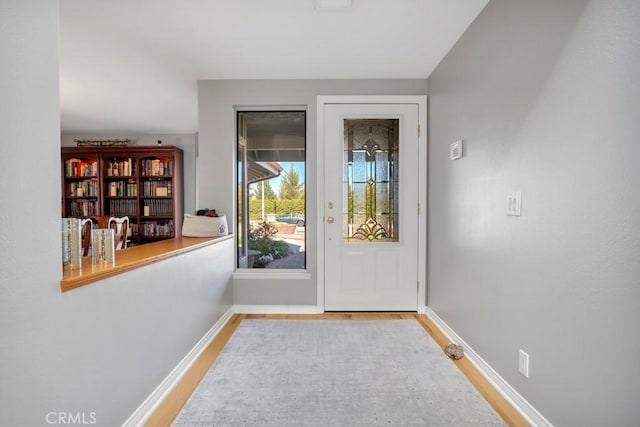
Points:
(525, 409)
(278, 309)
(365, 308)
(144, 411)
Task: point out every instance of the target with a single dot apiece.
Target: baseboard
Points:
(525, 409)
(277, 309)
(365, 308)
(144, 411)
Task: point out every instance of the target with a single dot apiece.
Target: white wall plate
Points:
(455, 150)
(514, 203)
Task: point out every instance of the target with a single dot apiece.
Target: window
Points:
(271, 189)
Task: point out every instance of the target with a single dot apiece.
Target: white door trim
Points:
(421, 101)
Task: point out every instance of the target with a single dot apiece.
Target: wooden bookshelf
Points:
(143, 183)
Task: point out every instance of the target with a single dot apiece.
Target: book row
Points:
(82, 208)
(121, 168)
(150, 167)
(162, 207)
(123, 208)
(157, 188)
(77, 167)
(156, 167)
(123, 188)
(156, 229)
(88, 188)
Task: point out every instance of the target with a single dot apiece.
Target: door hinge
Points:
(418, 285)
(418, 129)
(418, 208)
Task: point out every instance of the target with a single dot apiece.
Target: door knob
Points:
(330, 220)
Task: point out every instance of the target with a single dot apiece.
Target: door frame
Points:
(421, 102)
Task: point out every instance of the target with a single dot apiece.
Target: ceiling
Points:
(133, 66)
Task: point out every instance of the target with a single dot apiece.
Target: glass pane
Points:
(382, 166)
(240, 229)
(370, 193)
(359, 166)
(271, 190)
(382, 199)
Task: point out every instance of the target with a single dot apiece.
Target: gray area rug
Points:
(334, 373)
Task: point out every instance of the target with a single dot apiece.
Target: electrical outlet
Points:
(523, 364)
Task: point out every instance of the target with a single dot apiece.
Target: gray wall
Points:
(105, 347)
(546, 97)
(187, 142)
(217, 100)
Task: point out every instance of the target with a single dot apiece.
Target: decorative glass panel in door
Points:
(370, 183)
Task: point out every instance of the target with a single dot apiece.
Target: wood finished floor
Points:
(173, 403)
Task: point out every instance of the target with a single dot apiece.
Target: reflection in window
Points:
(271, 189)
(370, 184)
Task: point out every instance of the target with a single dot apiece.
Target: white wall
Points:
(102, 348)
(217, 100)
(546, 97)
(187, 142)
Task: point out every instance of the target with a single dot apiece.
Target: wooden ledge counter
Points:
(135, 257)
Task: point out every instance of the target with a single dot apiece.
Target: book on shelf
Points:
(77, 167)
(158, 207)
(161, 191)
(121, 168)
(83, 208)
(157, 229)
(87, 188)
(132, 189)
(123, 207)
(121, 189)
(157, 188)
(157, 167)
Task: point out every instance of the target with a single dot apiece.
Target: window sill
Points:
(133, 258)
(262, 274)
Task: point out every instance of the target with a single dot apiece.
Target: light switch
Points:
(523, 363)
(455, 150)
(514, 203)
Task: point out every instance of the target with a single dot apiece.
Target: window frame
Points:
(241, 254)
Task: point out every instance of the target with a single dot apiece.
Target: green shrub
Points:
(276, 206)
(261, 239)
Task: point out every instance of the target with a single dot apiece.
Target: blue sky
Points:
(297, 166)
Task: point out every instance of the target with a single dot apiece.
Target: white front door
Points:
(371, 206)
